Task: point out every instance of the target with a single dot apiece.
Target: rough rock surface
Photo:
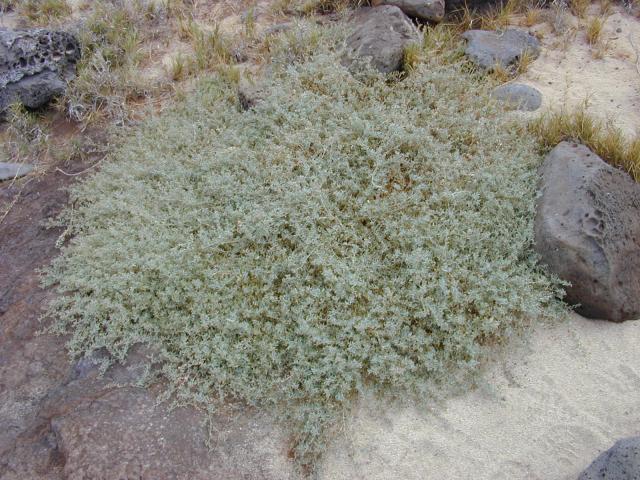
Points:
(518, 96)
(620, 462)
(13, 170)
(380, 36)
(587, 230)
(60, 421)
(35, 65)
(490, 48)
(431, 10)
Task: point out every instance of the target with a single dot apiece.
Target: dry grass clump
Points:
(579, 7)
(109, 79)
(345, 235)
(26, 136)
(328, 6)
(557, 18)
(594, 30)
(42, 12)
(603, 138)
(310, 7)
(499, 15)
(533, 16)
(503, 74)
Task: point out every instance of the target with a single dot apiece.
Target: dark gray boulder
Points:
(35, 65)
(490, 48)
(13, 170)
(518, 96)
(428, 10)
(380, 37)
(587, 231)
(620, 462)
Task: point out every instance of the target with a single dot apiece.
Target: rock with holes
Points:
(380, 37)
(428, 10)
(518, 96)
(620, 462)
(587, 231)
(490, 48)
(35, 65)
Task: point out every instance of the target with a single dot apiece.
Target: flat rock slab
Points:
(490, 48)
(518, 96)
(35, 65)
(122, 434)
(620, 462)
(380, 37)
(427, 10)
(65, 422)
(587, 231)
(13, 170)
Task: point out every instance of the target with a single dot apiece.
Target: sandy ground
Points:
(548, 409)
(568, 72)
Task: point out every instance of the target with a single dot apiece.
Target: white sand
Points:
(568, 72)
(549, 410)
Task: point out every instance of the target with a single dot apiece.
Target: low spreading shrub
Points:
(346, 235)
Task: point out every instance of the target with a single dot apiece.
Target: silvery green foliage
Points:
(342, 236)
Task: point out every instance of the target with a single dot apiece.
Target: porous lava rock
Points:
(620, 462)
(518, 96)
(488, 48)
(587, 231)
(380, 36)
(35, 65)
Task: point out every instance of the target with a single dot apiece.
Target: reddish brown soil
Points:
(60, 420)
(30, 365)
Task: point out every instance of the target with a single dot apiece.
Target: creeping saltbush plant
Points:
(346, 235)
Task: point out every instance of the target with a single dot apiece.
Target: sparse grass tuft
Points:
(556, 16)
(179, 67)
(499, 15)
(108, 77)
(579, 7)
(413, 55)
(502, 74)
(604, 139)
(524, 62)
(27, 137)
(443, 42)
(210, 47)
(282, 7)
(533, 16)
(250, 24)
(345, 236)
(328, 6)
(594, 30)
(42, 12)
(605, 7)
